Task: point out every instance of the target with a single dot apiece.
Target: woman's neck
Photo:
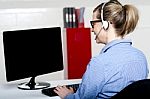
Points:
(114, 38)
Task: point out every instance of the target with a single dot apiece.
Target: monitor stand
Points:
(31, 85)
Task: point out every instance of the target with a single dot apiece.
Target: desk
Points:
(10, 91)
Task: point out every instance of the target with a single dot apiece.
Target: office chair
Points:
(138, 89)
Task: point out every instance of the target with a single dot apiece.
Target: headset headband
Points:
(105, 24)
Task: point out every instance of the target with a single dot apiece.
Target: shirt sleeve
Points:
(92, 81)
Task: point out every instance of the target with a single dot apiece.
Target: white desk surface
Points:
(10, 91)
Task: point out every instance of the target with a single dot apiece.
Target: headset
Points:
(105, 24)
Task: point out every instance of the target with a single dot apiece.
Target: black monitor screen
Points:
(32, 52)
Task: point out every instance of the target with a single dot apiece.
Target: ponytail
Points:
(132, 18)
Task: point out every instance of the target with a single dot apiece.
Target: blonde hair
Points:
(124, 18)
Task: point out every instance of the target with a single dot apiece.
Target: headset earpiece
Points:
(105, 24)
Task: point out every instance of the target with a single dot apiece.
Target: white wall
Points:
(24, 18)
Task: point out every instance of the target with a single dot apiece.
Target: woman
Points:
(118, 64)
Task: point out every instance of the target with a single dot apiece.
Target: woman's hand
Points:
(63, 91)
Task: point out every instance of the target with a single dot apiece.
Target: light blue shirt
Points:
(118, 65)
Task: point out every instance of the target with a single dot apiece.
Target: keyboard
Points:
(50, 91)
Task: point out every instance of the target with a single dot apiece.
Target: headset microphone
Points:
(98, 33)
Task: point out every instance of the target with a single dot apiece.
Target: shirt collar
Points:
(115, 42)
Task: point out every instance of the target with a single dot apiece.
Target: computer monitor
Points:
(32, 52)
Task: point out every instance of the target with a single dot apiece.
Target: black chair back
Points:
(138, 89)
